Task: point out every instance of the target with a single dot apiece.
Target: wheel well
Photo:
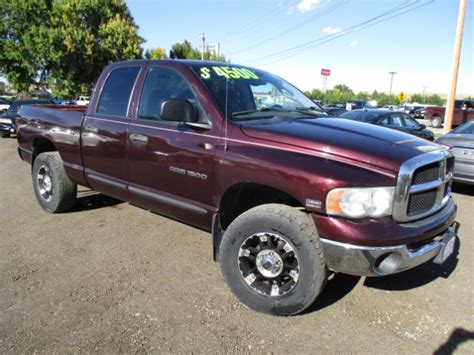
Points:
(243, 197)
(42, 145)
(240, 198)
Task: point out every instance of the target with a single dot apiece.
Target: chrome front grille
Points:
(423, 185)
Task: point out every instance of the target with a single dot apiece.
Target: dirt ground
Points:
(111, 277)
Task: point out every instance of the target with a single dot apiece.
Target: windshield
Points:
(360, 115)
(467, 128)
(251, 92)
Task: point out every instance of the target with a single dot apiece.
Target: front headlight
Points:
(355, 202)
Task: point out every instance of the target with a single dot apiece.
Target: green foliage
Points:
(435, 99)
(156, 53)
(417, 98)
(341, 93)
(186, 51)
(64, 43)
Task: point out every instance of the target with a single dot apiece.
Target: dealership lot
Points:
(110, 277)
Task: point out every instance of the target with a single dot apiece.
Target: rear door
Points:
(170, 164)
(104, 133)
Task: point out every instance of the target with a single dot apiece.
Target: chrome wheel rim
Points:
(45, 183)
(268, 264)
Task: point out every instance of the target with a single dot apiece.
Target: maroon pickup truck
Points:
(288, 194)
(463, 112)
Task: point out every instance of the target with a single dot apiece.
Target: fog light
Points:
(387, 263)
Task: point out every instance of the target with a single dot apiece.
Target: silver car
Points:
(461, 142)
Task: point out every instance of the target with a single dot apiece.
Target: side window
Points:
(162, 84)
(116, 92)
(396, 120)
(384, 121)
(411, 123)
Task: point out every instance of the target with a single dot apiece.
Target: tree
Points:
(24, 41)
(156, 53)
(435, 99)
(66, 43)
(85, 36)
(417, 98)
(184, 51)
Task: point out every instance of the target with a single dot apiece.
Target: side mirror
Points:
(422, 126)
(180, 110)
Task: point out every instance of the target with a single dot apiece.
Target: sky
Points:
(360, 41)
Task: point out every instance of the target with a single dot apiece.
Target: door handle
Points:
(92, 129)
(139, 138)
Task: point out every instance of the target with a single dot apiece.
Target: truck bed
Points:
(58, 124)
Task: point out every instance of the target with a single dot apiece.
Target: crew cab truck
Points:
(463, 112)
(288, 194)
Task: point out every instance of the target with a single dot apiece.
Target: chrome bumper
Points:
(379, 261)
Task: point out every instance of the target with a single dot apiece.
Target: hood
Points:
(457, 140)
(343, 139)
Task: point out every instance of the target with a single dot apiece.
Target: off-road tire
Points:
(64, 191)
(436, 122)
(298, 229)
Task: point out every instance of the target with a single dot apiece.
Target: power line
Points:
(277, 36)
(289, 52)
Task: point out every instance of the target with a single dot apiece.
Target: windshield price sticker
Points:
(229, 73)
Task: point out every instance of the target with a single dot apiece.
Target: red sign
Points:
(325, 72)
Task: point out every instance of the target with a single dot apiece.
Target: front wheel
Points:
(272, 259)
(5, 135)
(53, 189)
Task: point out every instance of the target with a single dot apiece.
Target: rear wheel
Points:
(53, 189)
(436, 122)
(272, 259)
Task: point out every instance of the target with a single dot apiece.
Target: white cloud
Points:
(331, 30)
(308, 5)
(353, 44)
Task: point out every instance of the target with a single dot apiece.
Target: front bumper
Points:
(408, 245)
(380, 261)
(5, 128)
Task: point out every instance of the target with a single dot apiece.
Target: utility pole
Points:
(392, 73)
(448, 117)
(203, 38)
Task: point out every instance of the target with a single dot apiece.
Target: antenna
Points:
(226, 109)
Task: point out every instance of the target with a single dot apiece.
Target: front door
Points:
(170, 165)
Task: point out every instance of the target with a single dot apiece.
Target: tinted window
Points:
(466, 128)
(363, 116)
(411, 123)
(116, 92)
(14, 107)
(162, 84)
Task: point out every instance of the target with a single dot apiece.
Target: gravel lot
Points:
(110, 277)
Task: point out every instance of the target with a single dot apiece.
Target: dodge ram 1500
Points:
(288, 193)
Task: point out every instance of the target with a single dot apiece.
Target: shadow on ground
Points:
(458, 336)
(91, 200)
(463, 189)
(336, 289)
(416, 277)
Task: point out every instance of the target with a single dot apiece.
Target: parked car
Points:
(7, 119)
(461, 142)
(419, 113)
(355, 104)
(390, 119)
(287, 193)
(4, 104)
(82, 100)
(334, 110)
(463, 112)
